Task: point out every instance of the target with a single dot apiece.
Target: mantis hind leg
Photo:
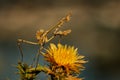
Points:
(20, 41)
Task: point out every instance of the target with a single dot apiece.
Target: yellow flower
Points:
(65, 56)
(73, 78)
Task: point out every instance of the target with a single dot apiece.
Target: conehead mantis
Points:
(42, 36)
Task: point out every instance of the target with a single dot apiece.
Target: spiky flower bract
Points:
(65, 59)
(73, 78)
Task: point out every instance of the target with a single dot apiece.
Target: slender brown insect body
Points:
(42, 37)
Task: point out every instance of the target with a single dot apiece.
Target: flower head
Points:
(65, 56)
(73, 78)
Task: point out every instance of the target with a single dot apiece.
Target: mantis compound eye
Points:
(42, 30)
(39, 33)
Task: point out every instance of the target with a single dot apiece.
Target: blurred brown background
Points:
(95, 28)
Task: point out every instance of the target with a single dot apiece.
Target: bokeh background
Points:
(95, 28)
